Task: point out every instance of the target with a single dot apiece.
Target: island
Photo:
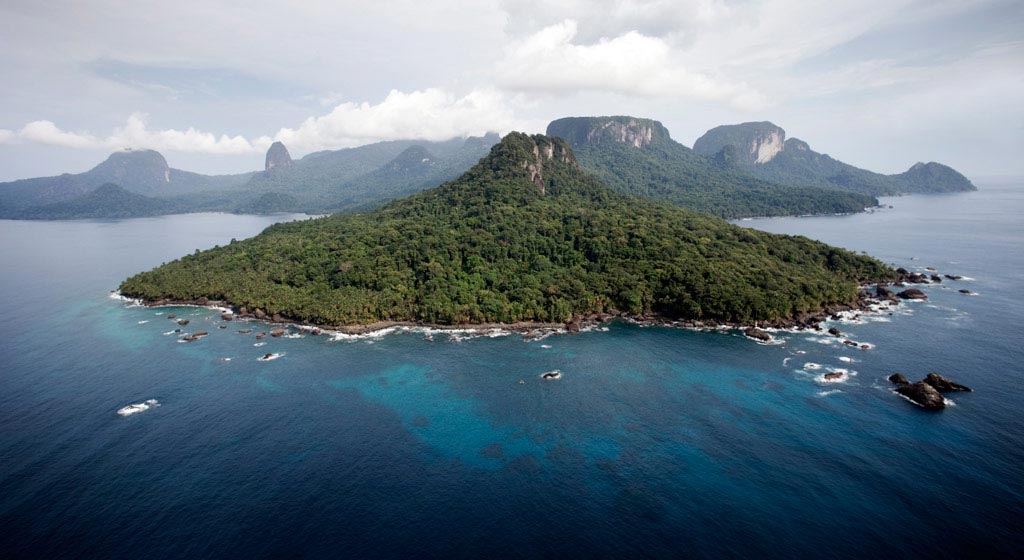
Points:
(525, 236)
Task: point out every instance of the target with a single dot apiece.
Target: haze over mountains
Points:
(733, 171)
(319, 182)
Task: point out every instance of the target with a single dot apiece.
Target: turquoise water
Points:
(654, 442)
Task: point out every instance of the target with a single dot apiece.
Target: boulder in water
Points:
(182, 322)
(912, 293)
(923, 395)
(277, 332)
(227, 316)
(943, 384)
(757, 334)
(898, 379)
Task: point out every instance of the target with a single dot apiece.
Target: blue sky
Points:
(880, 84)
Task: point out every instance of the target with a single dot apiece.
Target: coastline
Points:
(801, 322)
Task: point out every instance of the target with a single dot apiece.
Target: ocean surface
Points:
(655, 442)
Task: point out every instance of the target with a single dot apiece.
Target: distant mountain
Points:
(524, 235)
(761, 148)
(107, 201)
(139, 171)
(638, 156)
(416, 168)
(317, 183)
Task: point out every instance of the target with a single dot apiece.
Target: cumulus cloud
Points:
(430, 114)
(135, 134)
(631, 64)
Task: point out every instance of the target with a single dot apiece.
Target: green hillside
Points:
(525, 235)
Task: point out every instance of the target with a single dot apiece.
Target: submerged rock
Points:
(954, 277)
(834, 376)
(966, 292)
(182, 322)
(943, 384)
(834, 331)
(923, 394)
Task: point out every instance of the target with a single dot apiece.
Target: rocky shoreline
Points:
(872, 297)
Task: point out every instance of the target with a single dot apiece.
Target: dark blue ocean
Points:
(655, 442)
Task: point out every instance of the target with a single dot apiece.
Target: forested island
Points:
(523, 236)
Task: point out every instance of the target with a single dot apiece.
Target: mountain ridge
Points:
(638, 156)
(793, 161)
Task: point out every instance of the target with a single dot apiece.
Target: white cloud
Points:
(430, 114)
(631, 64)
(135, 134)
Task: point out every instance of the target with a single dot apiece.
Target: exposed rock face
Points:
(757, 334)
(923, 394)
(898, 379)
(755, 142)
(943, 384)
(544, 149)
(631, 131)
(912, 293)
(277, 156)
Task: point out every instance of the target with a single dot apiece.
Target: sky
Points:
(879, 84)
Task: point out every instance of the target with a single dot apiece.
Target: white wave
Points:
(292, 335)
(948, 402)
(786, 361)
(553, 374)
(269, 357)
(829, 392)
(811, 366)
(258, 344)
(545, 346)
(169, 333)
(844, 376)
(137, 407)
(143, 322)
(846, 359)
(345, 337)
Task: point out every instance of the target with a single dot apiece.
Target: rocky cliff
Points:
(631, 131)
(277, 156)
(755, 142)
